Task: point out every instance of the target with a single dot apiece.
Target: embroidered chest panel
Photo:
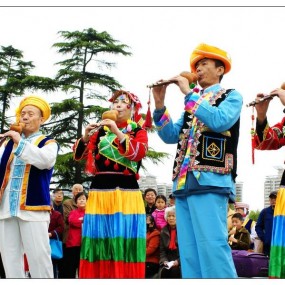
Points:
(108, 147)
(209, 151)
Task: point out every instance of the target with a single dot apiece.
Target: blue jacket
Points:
(218, 119)
(263, 227)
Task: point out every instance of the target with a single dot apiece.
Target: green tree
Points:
(15, 78)
(254, 215)
(83, 75)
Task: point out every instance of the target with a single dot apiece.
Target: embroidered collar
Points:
(213, 88)
(32, 135)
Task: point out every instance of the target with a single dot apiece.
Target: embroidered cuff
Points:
(164, 119)
(157, 114)
(20, 148)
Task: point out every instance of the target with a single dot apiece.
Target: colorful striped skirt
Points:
(277, 249)
(113, 235)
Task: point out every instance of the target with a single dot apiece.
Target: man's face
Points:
(240, 210)
(272, 200)
(58, 197)
(208, 73)
(32, 118)
(237, 223)
(76, 189)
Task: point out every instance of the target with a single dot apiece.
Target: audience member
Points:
(56, 225)
(149, 197)
(264, 223)
(68, 206)
(239, 237)
(171, 201)
(169, 252)
(152, 248)
(58, 200)
(73, 240)
(248, 223)
(158, 213)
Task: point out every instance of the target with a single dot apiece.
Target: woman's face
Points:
(123, 105)
(150, 198)
(81, 202)
(171, 219)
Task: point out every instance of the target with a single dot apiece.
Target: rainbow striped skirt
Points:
(113, 235)
(277, 249)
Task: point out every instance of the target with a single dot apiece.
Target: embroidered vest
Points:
(35, 189)
(215, 152)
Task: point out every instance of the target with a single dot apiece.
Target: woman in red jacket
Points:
(152, 248)
(73, 241)
(56, 225)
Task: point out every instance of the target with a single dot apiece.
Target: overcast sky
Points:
(161, 40)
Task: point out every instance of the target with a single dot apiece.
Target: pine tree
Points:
(15, 78)
(82, 77)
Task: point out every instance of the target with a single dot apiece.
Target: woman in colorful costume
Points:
(114, 232)
(270, 138)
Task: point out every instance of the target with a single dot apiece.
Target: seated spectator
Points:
(248, 223)
(159, 212)
(149, 197)
(239, 237)
(169, 253)
(152, 248)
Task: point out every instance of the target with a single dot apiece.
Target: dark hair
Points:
(151, 218)
(57, 190)
(238, 216)
(160, 197)
(219, 63)
(152, 221)
(79, 195)
(150, 190)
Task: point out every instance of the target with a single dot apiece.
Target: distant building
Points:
(150, 182)
(272, 183)
(239, 188)
(147, 182)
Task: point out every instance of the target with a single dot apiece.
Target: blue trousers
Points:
(202, 236)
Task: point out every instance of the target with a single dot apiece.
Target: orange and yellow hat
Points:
(206, 51)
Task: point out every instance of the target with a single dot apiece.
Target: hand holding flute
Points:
(183, 81)
(92, 128)
(14, 133)
(260, 97)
